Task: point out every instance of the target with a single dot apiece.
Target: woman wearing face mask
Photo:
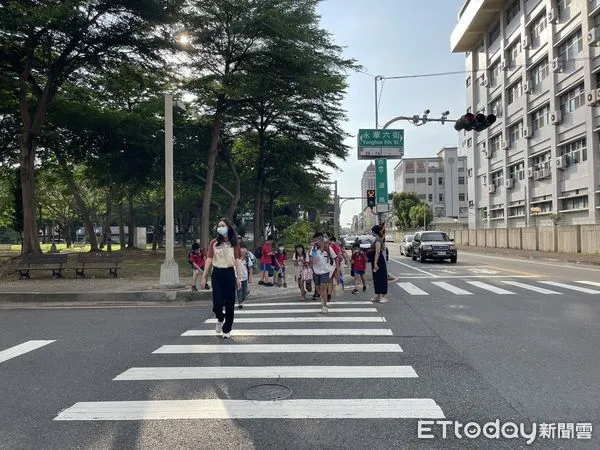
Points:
(301, 261)
(224, 255)
(380, 279)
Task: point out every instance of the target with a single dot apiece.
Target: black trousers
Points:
(223, 292)
(380, 281)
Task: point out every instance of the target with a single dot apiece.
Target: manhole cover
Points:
(268, 392)
(455, 306)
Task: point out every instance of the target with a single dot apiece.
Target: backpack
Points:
(258, 252)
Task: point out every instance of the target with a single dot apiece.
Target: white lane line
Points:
(304, 303)
(298, 332)
(21, 349)
(441, 277)
(412, 289)
(401, 408)
(302, 319)
(414, 268)
(591, 283)
(228, 372)
(532, 288)
(451, 288)
(573, 288)
(307, 310)
(528, 261)
(489, 287)
(279, 348)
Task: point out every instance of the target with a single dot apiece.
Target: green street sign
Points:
(381, 185)
(373, 144)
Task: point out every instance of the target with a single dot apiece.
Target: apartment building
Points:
(367, 182)
(536, 65)
(440, 181)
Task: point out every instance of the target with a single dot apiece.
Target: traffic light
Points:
(470, 122)
(371, 198)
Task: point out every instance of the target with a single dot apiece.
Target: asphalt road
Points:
(485, 339)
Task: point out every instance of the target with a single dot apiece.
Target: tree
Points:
(43, 44)
(402, 204)
(300, 232)
(420, 215)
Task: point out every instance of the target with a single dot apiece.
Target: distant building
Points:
(440, 181)
(367, 182)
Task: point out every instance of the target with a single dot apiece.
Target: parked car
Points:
(390, 238)
(348, 242)
(406, 245)
(366, 242)
(435, 245)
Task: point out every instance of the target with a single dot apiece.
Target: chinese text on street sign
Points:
(373, 144)
(381, 182)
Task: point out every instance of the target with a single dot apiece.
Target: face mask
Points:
(281, 249)
(222, 231)
(325, 240)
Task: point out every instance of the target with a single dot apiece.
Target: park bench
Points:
(98, 260)
(53, 262)
(5, 247)
(79, 244)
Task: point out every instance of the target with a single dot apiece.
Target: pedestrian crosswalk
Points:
(321, 341)
(468, 287)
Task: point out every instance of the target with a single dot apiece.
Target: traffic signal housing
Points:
(371, 198)
(470, 122)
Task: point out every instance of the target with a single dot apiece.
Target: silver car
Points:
(406, 245)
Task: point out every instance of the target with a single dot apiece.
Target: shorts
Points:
(359, 273)
(265, 267)
(321, 279)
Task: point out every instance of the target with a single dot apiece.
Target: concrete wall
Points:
(569, 239)
(473, 237)
(514, 238)
(481, 233)
(590, 239)
(530, 238)
(502, 237)
(490, 238)
(547, 239)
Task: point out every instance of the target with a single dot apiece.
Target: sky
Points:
(396, 38)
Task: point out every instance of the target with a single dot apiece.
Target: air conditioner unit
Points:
(555, 117)
(530, 172)
(505, 145)
(485, 82)
(593, 37)
(503, 65)
(528, 87)
(553, 15)
(537, 175)
(591, 97)
(561, 162)
(526, 133)
(491, 188)
(486, 154)
(546, 173)
(509, 183)
(525, 42)
(557, 65)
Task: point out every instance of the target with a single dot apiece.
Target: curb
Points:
(114, 297)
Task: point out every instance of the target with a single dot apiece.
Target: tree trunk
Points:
(258, 192)
(31, 241)
(237, 194)
(68, 234)
(272, 212)
(121, 224)
(107, 229)
(210, 173)
(155, 235)
(131, 223)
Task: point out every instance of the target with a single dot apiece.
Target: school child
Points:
(246, 266)
(359, 266)
(279, 266)
(303, 273)
(197, 258)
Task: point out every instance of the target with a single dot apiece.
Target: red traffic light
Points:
(468, 117)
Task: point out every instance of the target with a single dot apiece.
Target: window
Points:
(440, 181)
(410, 165)
(541, 162)
(540, 118)
(497, 178)
(512, 54)
(410, 181)
(495, 145)
(470, 172)
(537, 28)
(571, 47)
(515, 132)
(575, 203)
(572, 100)
(513, 10)
(575, 151)
(539, 73)
(420, 180)
(515, 91)
(496, 107)
(430, 198)
(468, 81)
(470, 142)
(494, 33)
(562, 5)
(495, 74)
(441, 198)
(461, 197)
(461, 180)
(429, 181)
(422, 197)
(517, 171)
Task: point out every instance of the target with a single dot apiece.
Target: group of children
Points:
(324, 258)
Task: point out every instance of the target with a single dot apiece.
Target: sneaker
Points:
(284, 285)
(207, 287)
(194, 289)
(241, 306)
(375, 299)
(261, 282)
(219, 327)
(324, 310)
(226, 335)
(315, 297)
(269, 284)
(383, 300)
(355, 291)
(364, 288)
